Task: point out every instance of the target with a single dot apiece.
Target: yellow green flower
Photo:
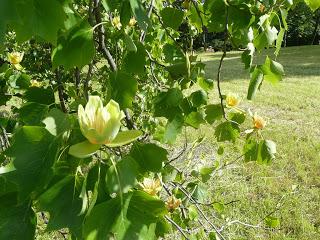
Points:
(35, 83)
(117, 23)
(258, 122)
(151, 186)
(232, 100)
(99, 124)
(173, 203)
(15, 58)
(132, 22)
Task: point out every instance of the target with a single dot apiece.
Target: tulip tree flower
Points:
(258, 122)
(101, 125)
(151, 186)
(35, 83)
(117, 23)
(173, 203)
(232, 100)
(132, 22)
(15, 58)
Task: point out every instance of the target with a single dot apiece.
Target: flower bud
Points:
(100, 125)
(151, 186)
(258, 122)
(173, 203)
(232, 100)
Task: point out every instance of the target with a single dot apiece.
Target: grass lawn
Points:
(290, 186)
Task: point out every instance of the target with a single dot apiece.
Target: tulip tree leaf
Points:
(124, 138)
(140, 14)
(39, 18)
(17, 222)
(213, 112)
(123, 178)
(149, 156)
(227, 131)
(123, 88)
(255, 82)
(64, 205)
(313, 4)
(84, 149)
(32, 113)
(34, 150)
(259, 151)
(76, 49)
(172, 17)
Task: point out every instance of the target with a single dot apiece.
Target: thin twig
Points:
(60, 91)
(221, 61)
(77, 79)
(86, 82)
(180, 229)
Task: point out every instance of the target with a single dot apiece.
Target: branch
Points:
(221, 61)
(199, 209)
(180, 229)
(77, 79)
(143, 33)
(86, 82)
(101, 36)
(60, 91)
(130, 123)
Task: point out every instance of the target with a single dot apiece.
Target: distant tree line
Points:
(303, 29)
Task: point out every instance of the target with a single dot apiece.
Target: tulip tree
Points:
(96, 91)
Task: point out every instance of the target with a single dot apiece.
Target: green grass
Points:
(291, 184)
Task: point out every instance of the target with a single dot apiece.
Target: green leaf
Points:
(57, 122)
(279, 41)
(130, 43)
(34, 151)
(261, 151)
(237, 117)
(123, 177)
(272, 222)
(172, 17)
(17, 222)
(32, 113)
(39, 18)
(255, 82)
(194, 119)
(313, 4)
(205, 173)
(140, 14)
(193, 213)
(124, 138)
(145, 209)
(227, 131)
(123, 88)
(134, 62)
(64, 205)
(84, 149)
(205, 83)
(76, 49)
(272, 70)
(213, 113)
(198, 98)
(173, 128)
(97, 226)
(39, 95)
(149, 156)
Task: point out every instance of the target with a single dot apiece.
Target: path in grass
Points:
(292, 182)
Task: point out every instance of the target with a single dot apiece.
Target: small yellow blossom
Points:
(232, 100)
(35, 83)
(15, 59)
(173, 203)
(258, 122)
(117, 23)
(151, 186)
(132, 22)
